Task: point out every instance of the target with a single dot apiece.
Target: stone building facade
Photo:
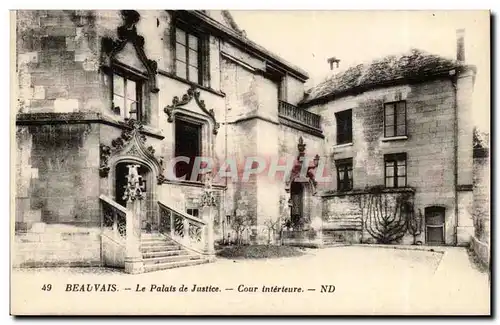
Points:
(409, 125)
(101, 90)
(84, 75)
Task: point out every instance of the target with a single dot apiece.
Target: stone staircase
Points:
(161, 253)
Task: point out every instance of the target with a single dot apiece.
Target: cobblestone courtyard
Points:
(367, 280)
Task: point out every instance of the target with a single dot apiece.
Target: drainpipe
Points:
(460, 56)
(225, 226)
(455, 151)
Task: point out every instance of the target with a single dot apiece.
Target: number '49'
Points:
(47, 287)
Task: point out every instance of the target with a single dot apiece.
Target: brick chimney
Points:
(460, 45)
(333, 60)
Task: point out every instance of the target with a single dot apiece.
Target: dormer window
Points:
(127, 95)
(190, 61)
(130, 82)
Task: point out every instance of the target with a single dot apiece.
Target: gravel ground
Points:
(366, 280)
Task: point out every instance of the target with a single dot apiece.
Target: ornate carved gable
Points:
(295, 174)
(130, 143)
(127, 32)
(186, 98)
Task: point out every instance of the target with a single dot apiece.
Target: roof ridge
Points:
(413, 62)
(228, 17)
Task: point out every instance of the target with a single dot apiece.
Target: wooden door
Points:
(434, 225)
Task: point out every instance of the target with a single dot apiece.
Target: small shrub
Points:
(259, 251)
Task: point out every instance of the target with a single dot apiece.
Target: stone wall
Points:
(345, 217)
(429, 143)
(294, 90)
(57, 189)
(481, 205)
(57, 174)
(57, 61)
(48, 245)
(251, 103)
(481, 192)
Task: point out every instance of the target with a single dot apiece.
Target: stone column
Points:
(134, 195)
(208, 216)
(208, 210)
(316, 219)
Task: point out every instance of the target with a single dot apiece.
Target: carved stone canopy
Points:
(130, 143)
(127, 32)
(297, 168)
(192, 92)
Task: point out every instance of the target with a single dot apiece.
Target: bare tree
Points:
(241, 222)
(415, 222)
(272, 227)
(384, 218)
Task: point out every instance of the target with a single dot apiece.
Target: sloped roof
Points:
(225, 18)
(228, 18)
(413, 64)
(223, 21)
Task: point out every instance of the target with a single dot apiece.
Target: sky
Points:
(308, 38)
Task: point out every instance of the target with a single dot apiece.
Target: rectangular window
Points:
(395, 119)
(193, 212)
(344, 175)
(187, 145)
(187, 56)
(344, 126)
(395, 170)
(127, 93)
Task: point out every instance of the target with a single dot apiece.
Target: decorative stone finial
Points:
(134, 190)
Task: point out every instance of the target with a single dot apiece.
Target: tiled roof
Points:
(413, 64)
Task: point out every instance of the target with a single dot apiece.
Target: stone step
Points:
(152, 236)
(335, 244)
(157, 241)
(159, 248)
(164, 253)
(171, 265)
(342, 228)
(156, 237)
(170, 259)
(344, 221)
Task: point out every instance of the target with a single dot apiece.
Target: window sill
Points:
(330, 193)
(190, 83)
(192, 183)
(398, 138)
(81, 117)
(343, 145)
(119, 122)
